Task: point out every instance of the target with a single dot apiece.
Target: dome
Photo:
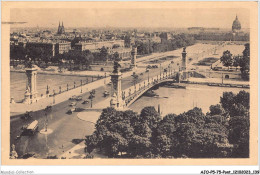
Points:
(236, 25)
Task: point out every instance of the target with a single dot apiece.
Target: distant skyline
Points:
(137, 18)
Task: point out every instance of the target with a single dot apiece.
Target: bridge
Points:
(131, 94)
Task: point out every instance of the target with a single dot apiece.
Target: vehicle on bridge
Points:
(73, 104)
(79, 98)
(71, 110)
(85, 102)
(73, 97)
(106, 93)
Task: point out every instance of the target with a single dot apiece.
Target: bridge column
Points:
(133, 60)
(116, 77)
(184, 64)
(30, 95)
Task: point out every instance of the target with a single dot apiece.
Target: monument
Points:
(30, 95)
(116, 77)
(184, 73)
(133, 59)
(184, 61)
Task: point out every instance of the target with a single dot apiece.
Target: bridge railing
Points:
(129, 94)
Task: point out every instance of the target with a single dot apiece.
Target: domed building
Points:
(236, 25)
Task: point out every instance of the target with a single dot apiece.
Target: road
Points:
(67, 129)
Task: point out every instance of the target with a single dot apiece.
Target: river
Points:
(18, 83)
(177, 101)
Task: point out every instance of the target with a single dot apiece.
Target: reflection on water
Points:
(181, 100)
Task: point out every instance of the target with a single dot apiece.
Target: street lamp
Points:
(148, 77)
(91, 96)
(53, 96)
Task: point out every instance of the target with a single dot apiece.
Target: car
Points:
(79, 98)
(85, 102)
(73, 104)
(106, 93)
(147, 70)
(110, 83)
(27, 115)
(73, 97)
(71, 110)
(141, 73)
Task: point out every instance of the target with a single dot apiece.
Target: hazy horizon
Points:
(130, 18)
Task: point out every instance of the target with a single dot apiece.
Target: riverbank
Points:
(69, 73)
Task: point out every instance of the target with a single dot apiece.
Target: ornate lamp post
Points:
(54, 96)
(91, 96)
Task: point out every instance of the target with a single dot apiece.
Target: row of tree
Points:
(242, 61)
(222, 132)
(75, 58)
(179, 40)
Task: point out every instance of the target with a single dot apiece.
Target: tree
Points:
(239, 135)
(227, 59)
(236, 61)
(216, 110)
(245, 62)
(235, 105)
(139, 146)
(103, 54)
(116, 56)
(150, 116)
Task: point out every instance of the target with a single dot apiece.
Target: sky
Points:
(153, 18)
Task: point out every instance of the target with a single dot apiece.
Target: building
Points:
(47, 47)
(94, 46)
(236, 26)
(62, 47)
(50, 48)
(122, 52)
(61, 29)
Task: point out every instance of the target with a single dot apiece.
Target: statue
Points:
(14, 154)
(29, 63)
(116, 66)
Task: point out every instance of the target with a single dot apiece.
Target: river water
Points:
(177, 101)
(18, 83)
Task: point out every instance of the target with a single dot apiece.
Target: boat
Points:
(170, 85)
(151, 93)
